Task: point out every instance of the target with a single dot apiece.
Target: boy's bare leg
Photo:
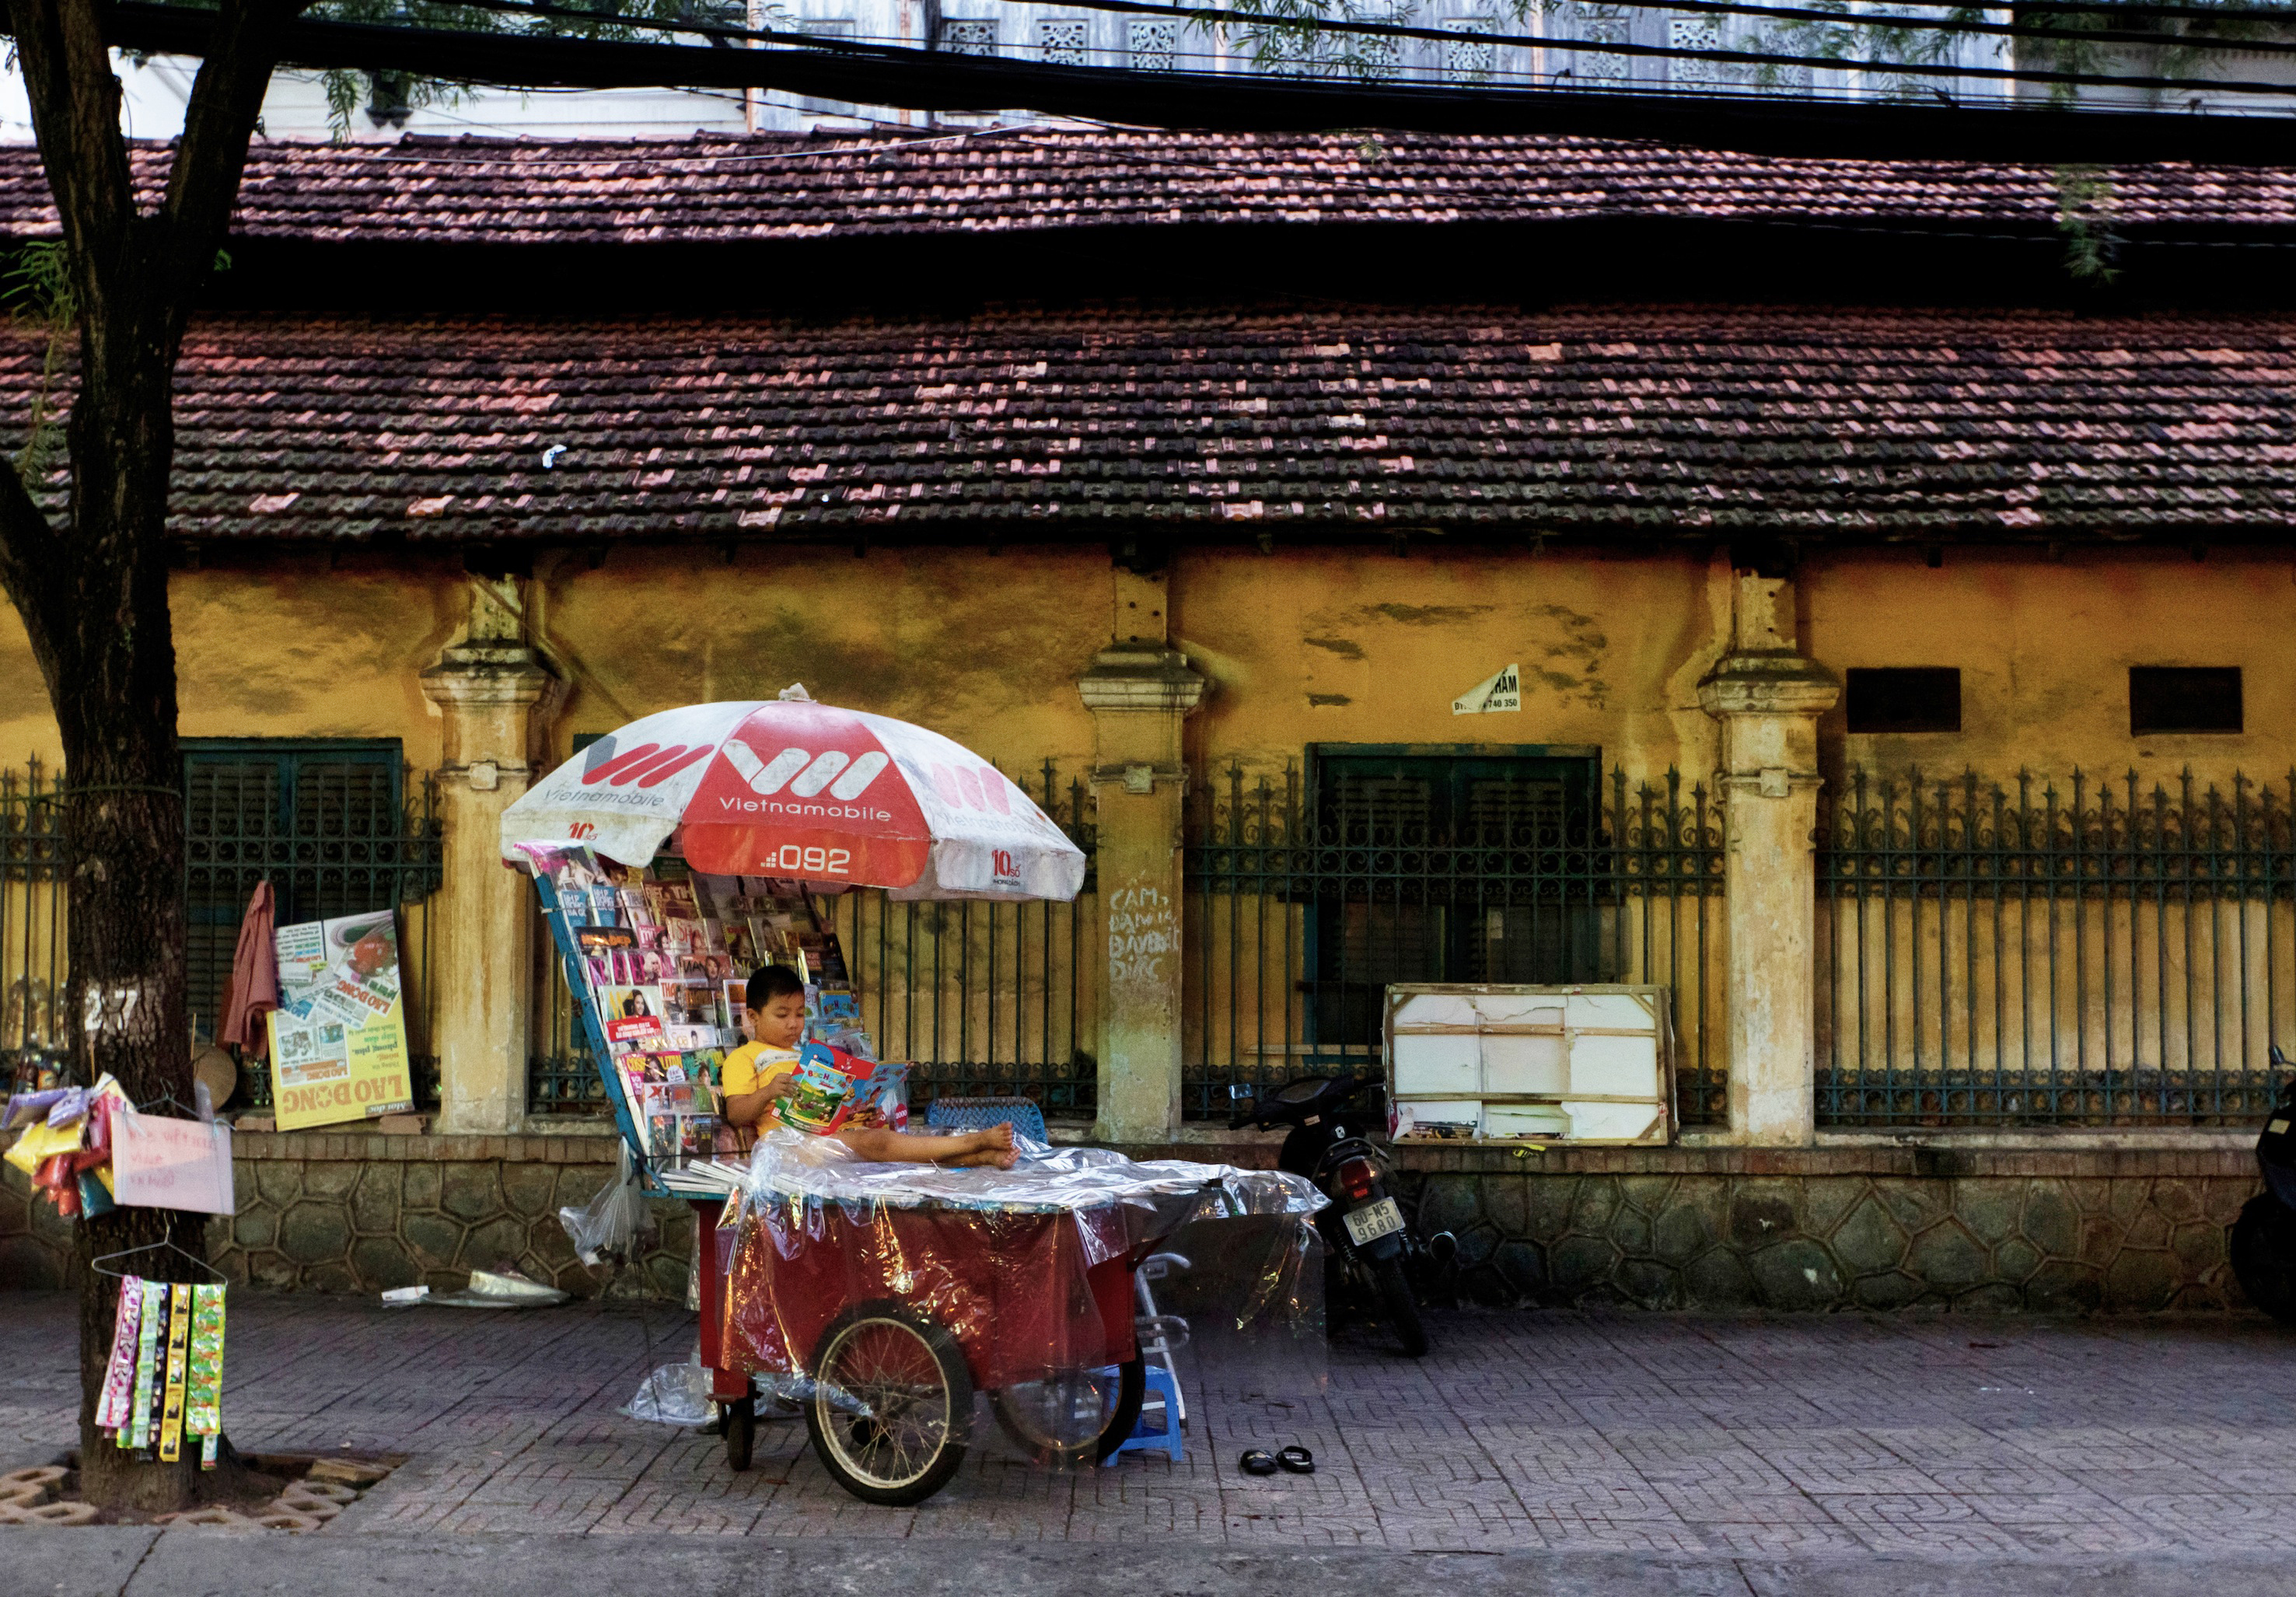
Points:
(992, 1146)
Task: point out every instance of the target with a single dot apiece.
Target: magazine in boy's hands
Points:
(831, 1086)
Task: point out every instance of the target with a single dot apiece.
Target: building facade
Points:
(1896, 656)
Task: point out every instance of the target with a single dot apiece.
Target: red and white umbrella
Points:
(795, 788)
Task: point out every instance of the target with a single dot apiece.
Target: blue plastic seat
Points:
(1161, 1405)
(979, 1114)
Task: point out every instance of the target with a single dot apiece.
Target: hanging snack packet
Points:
(119, 1372)
(179, 1357)
(203, 1390)
(137, 1431)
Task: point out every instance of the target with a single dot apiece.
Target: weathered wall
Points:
(985, 648)
(1978, 1230)
(1346, 646)
(2043, 649)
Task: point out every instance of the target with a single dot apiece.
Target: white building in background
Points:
(1559, 45)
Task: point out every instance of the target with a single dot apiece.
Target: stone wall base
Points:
(1982, 1231)
(1979, 1230)
(359, 1212)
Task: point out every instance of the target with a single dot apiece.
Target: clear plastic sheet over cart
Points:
(883, 1298)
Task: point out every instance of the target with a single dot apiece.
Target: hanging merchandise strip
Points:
(138, 1432)
(203, 1400)
(179, 1347)
(119, 1371)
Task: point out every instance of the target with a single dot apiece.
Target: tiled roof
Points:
(1586, 420)
(777, 186)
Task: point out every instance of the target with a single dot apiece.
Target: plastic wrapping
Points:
(673, 1395)
(605, 1226)
(886, 1295)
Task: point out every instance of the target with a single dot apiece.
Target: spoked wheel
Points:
(1073, 1415)
(891, 1403)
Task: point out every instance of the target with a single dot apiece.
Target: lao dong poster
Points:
(339, 1036)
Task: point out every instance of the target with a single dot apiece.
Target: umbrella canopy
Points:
(794, 789)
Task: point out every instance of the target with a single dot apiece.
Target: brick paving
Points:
(1782, 1436)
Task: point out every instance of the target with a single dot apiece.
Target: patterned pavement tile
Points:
(1752, 1438)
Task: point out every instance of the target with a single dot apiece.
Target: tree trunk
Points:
(94, 599)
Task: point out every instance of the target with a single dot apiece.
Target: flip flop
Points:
(1257, 1461)
(1297, 1459)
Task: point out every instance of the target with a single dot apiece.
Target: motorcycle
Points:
(2264, 1237)
(1329, 1121)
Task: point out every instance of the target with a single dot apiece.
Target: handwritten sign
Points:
(1143, 935)
(160, 1162)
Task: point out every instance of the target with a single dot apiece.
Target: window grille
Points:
(976, 38)
(1468, 60)
(1062, 43)
(1152, 46)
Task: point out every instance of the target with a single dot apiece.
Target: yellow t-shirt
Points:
(754, 1065)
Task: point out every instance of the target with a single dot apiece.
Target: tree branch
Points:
(218, 122)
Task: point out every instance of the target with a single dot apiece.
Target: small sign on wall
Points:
(1503, 691)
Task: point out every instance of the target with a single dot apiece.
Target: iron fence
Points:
(32, 957)
(1301, 907)
(2037, 953)
(334, 837)
(982, 999)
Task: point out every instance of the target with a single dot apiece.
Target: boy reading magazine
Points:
(759, 1076)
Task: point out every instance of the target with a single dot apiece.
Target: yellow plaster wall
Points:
(2044, 650)
(293, 648)
(1349, 647)
(984, 647)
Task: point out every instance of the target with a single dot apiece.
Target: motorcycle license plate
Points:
(1375, 1221)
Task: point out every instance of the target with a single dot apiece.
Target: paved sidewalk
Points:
(1795, 1439)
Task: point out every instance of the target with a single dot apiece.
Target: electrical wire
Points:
(1244, 101)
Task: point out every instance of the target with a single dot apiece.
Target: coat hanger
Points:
(97, 1265)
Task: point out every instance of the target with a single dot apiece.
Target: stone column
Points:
(494, 694)
(1768, 698)
(1139, 691)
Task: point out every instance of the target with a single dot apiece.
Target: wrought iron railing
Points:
(32, 957)
(343, 844)
(1295, 919)
(2041, 953)
(980, 998)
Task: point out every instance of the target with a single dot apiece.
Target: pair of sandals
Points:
(1294, 1460)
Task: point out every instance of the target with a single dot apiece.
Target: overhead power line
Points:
(933, 81)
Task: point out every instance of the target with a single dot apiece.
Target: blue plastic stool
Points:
(979, 1114)
(1166, 1438)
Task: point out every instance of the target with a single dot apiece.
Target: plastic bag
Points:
(611, 1220)
(673, 1395)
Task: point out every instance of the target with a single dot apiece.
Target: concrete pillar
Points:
(1768, 698)
(1139, 691)
(494, 694)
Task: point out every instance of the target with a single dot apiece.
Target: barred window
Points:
(971, 37)
(1062, 43)
(1153, 45)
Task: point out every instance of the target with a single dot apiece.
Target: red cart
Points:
(885, 1319)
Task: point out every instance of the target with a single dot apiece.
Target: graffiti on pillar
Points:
(1143, 935)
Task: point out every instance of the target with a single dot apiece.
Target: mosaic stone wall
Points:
(2138, 1231)
(1845, 1229)
(362, 1214)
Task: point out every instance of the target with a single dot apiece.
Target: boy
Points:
(754, 1072)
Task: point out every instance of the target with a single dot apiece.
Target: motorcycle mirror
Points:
(1238, 1092)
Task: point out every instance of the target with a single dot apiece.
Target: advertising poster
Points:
(339, 1036)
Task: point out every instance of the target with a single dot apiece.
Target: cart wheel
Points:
(741, 1431)
(1076, 1414)
(890, 1404)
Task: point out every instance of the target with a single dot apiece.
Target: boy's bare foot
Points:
(1002, 1158)
(999, 1135)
